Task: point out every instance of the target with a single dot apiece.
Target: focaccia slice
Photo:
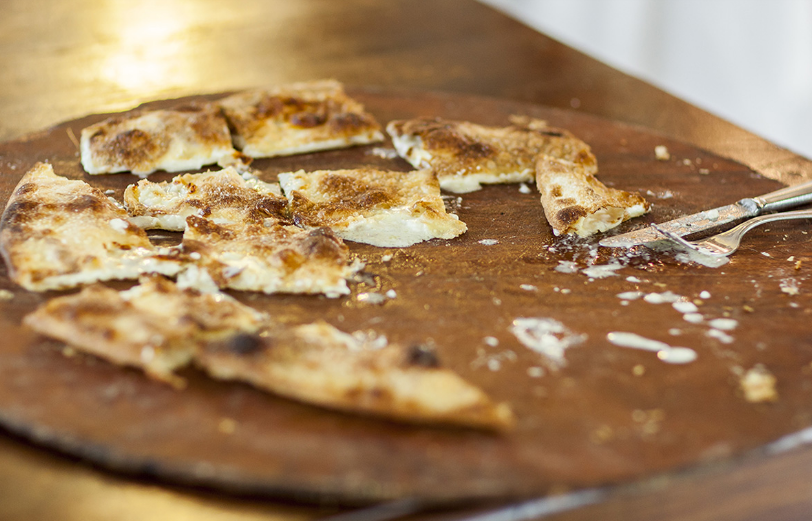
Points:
(465, 155)
(575, 202)
(185, 138)
(57, 233)
(382, 208)
(298, 118)
(223, 196)
(318, 364)
(154, 326)
(266, 256)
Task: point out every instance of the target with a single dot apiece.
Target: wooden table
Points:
(61, 60)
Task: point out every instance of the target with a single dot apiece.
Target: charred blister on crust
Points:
(244, 344)
(420, 355)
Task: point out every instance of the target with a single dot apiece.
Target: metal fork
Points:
(726, 243)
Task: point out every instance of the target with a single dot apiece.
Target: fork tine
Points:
(688, 244)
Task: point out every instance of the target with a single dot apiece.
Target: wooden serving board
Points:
(610, 415)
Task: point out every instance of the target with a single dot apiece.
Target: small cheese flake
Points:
(705, 295)
(758, 385)
(528, 287)
(488, 242)
(704, 171)
(524, 189)
(535, 372)
(391, 294)
(386, 258)
(686, 162)
(790, 286)
(491, 341)
(566, 291)
(685, 307)
(371, 298)
(693, 318)
(639, 370)
(6, 294)
(661, 153)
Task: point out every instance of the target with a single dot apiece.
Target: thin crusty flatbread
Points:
(316, 363)
(153, 326)
(268, 257)
(222, 196)
(382, 208)
(237, 235)
(465, 155)
(58, 233)
(184, 138)
(298, 118)
(575, 202)
(161, 328)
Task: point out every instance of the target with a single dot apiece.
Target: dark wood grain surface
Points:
(61, 60)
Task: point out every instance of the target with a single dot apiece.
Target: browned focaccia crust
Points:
(184, 138)
(154, 326)
(298, 118)
(222, 196)
(575, 202)
(265, 256)
(383, 208)
(57, 233)
(159, 327)
(465, 155)
(316, 363)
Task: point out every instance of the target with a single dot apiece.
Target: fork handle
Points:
(785, 198)
(763, 219)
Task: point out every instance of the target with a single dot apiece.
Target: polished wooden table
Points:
(64, 59)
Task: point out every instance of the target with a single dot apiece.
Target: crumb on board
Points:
(6, 294)
(758, 385)
(661, 153)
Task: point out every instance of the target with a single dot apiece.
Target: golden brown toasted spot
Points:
(571, 214)
(351, 122)
(291, 259)
(25, 189)
(207, 227)
(555, 191)
(19, 213)
(323, 243)
(307, 119)
(132, 146)
(86, 203)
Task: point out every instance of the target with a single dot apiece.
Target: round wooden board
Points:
(610, 415)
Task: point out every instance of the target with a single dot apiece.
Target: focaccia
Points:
(161, 328)
(153, 326)
(575, 202)
(266, 256)
(318, 364)
(57, 233)
(465, 155)
(223, 196)
(298, 118)
(382, 208)
(185, 138)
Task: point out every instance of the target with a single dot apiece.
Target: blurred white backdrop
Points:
(747, 61)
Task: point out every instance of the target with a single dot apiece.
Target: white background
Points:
(747, 61)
